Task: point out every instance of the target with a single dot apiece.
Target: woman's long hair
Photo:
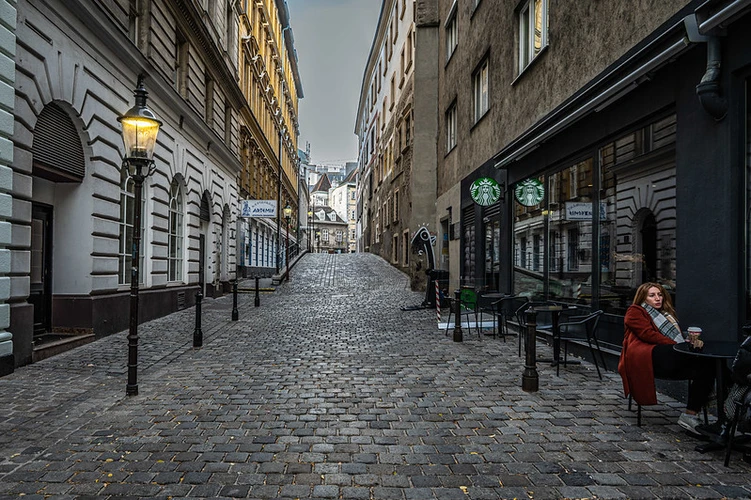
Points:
(643, 291)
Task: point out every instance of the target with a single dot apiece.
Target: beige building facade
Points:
(385, 130)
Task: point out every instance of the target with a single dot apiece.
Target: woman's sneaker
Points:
(689, 422)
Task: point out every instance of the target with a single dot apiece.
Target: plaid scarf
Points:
(663, 324)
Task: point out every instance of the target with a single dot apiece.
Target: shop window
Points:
(637, 231)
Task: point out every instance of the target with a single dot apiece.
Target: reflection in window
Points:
(533, 28)
(637, 221)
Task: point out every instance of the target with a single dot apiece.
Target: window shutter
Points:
(57, 150)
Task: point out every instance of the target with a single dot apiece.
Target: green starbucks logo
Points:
(485, 191)
(530, 192)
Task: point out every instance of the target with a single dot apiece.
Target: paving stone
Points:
(323, 392)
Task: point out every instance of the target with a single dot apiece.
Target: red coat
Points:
(640, 336)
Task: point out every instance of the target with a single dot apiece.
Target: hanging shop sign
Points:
(485, 191)
(258, 208)
(530, 192)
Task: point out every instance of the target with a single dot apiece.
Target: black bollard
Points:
(198, 333)
(234, 301)
(258, 297)
(458, 316)
(530, 378)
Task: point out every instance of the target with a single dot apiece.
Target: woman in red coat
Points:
(650, 331)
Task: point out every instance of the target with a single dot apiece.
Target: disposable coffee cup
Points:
(694, 332)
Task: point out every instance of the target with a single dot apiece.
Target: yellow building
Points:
(269, 128)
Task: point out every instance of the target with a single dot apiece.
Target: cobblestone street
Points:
(329, 390)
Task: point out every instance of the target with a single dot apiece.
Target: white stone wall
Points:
(7, 78)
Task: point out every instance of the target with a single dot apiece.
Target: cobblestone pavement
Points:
(329, 390)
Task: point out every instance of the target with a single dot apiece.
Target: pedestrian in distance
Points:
(650, 331)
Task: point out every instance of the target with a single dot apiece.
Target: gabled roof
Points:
(324, 214)
(323, 184)
(351, 177)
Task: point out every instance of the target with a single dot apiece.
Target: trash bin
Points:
(442, 277)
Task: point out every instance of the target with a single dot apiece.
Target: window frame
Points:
(526, 34)
(451, 28)
(481, 90)
(451, 127)
(175, 263)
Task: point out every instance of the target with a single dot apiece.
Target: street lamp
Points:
(310, 240)
(140, 129)
(287, 217)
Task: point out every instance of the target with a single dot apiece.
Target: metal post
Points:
(530, 378)
(234, 301)
(279, 206)
(458, 316)
(286, 250)
(132, 388)
(197, 332)
(258, 297)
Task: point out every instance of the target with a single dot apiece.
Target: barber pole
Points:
(437, 301)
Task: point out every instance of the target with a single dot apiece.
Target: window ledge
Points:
(529, 65)
(449, 151)
(479, 120)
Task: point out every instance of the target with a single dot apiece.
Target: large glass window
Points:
(529, 222)
(175, 243)
(637, 213)
(127, 218)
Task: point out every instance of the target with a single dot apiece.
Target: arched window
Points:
(176, 242)
(127, 222)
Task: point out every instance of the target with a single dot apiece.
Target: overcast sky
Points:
(333, 39)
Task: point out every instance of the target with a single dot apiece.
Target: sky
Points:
(332, 39)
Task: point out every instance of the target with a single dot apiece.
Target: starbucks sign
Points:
(485, 191)
(529, 192)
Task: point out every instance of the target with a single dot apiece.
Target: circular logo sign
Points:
(485, 191)
(530, 192)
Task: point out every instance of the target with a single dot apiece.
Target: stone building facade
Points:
(77, 62)
(601, 136)
(385, 130)
(9, 187)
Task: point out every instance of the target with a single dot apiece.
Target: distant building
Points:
(330, 231)
(392, 202)
(343, 200)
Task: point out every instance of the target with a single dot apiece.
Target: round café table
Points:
(720, 352)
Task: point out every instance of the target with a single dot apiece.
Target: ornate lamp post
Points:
(287, 217)
(140, 129)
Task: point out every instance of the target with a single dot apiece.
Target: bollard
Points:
(530, 378)
(234, 301)
(197, 333)
(258, 297)
(458, 316)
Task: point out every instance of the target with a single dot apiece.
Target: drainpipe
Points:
(708, 90)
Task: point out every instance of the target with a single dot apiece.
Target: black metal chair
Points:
(581, 328)
(638, 406)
